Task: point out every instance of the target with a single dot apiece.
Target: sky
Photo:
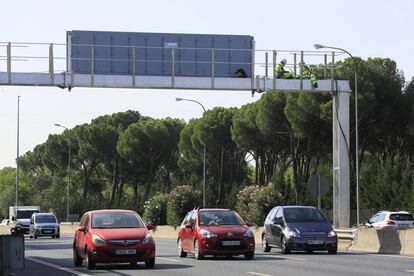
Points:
(370, 28)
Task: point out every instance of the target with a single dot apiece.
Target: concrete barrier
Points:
(388, 241)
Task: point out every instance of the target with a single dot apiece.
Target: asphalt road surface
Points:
(46, 256)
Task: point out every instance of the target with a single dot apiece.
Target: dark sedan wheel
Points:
(283, 246)
(265, 245)
(332, 251)
(181, 252)
(197, 254)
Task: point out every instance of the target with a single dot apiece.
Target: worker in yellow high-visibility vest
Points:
(308, 73)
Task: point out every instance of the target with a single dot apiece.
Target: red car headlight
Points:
(98, 241)
(208, 234)
(248, 234)
(148, 239)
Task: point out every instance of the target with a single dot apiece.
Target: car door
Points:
(268, 221)
(192, 231)
(80, 237)
(185, 233)
(277, 226)
(268, 225)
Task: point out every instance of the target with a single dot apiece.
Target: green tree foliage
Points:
(143, 145)
(7, 190)
(182, 199)
(226, 166)
(156, 209)
(388, 183)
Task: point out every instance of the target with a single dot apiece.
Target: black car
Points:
(298, 228)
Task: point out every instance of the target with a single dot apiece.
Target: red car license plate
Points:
(125, 252)
(230, 243)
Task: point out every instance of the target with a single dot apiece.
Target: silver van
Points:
(44, 224)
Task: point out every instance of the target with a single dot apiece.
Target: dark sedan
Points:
(298, 228)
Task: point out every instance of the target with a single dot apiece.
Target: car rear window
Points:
(401, 217)
(303, 215)
(116, 220)
(219, 218)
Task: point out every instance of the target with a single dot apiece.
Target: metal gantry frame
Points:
(258, 82)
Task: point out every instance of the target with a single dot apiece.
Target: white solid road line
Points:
(167, 259)
(260, 274)
(410, 271)
(58, 267)
(393, 256)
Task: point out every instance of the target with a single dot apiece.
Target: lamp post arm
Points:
(202, 106)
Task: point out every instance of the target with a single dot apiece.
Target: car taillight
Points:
(390, 222)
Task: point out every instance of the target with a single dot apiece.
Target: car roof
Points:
(43, 214)
(393, 212)
(297, 206)
(110, 211)
(214, 210)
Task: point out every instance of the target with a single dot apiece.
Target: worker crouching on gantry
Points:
(281, 73)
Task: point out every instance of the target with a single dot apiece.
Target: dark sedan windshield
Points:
(116, 220)
(46, 219)
(219, 218)
(301, 215)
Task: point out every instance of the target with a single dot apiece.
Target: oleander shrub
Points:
(156, 209)
(182, 199)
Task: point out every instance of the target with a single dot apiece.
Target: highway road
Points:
(46, 256)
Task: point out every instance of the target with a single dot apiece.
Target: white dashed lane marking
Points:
(167, 259)
(260, 274)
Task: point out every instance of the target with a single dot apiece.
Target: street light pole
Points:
(204, 152)
(18, 154)
(69, 178)
(319, 46)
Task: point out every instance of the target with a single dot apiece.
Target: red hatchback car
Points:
(217, 232)
(113, 236)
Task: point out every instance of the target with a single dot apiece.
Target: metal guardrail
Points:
(346, 234)
(263, 63)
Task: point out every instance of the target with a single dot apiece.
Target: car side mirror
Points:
(278, 221)
(188, 225)
(150, 226)
(81, 229)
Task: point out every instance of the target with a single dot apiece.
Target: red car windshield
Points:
(211, 218)
(116, 220)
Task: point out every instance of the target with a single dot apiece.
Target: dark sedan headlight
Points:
(291, 233)
(331, 234)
